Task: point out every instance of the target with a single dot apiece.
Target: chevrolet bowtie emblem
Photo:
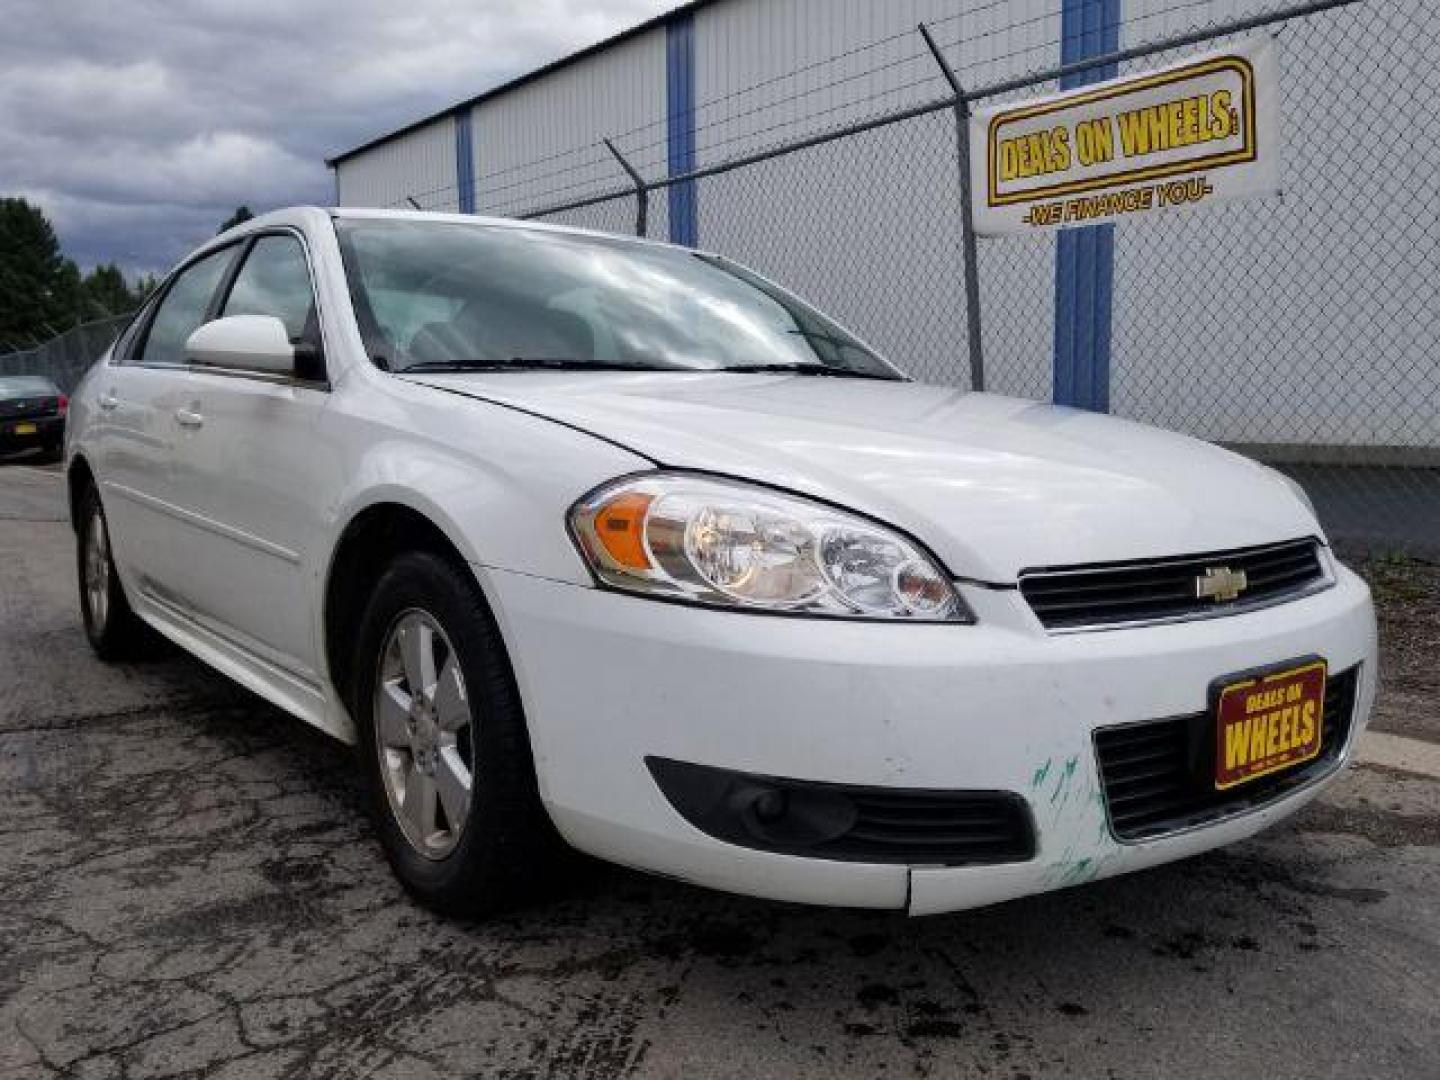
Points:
(1220, 583)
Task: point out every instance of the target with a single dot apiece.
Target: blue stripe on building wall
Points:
(465, 161)
(1085, 258)
(680, 127)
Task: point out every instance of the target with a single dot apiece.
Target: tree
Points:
(35, 290)
(144, 286)
(69, 297)
(241, 215)
(42, 293)
(106, 292)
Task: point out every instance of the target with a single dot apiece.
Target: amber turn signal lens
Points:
(732, 544)
(620, 528)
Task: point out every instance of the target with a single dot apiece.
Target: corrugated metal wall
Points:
(540, 143)
(816, 64)
(766, 71)
(420, 165)
(813, 220)
(1339, 352)
(869, 226)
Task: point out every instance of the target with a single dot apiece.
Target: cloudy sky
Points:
(139, 125)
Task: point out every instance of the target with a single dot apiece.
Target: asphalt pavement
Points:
(188, 887)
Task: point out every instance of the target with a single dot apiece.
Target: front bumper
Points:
(609, 680)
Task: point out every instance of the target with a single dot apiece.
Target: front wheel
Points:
(443, 743)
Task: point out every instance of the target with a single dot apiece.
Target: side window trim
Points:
(227, 286)
(142, 337)
(135, 347)
(221, 296)
(124, 345)
(371, 333)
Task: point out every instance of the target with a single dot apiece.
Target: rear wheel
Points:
(443, 743)
(114, 631)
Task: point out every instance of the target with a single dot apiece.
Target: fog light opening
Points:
(770, 805)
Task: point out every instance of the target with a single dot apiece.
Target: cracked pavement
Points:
(188, 886)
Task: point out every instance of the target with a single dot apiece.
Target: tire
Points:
(496, 847)
(114, 630)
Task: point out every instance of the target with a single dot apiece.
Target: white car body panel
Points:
(949, 707)
(134, 432)
(245, 479)
(965, 472)
(224, 537)
(457, 461)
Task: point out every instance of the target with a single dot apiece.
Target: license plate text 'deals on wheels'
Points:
(1268, 722)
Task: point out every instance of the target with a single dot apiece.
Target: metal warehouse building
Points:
(1302, 327)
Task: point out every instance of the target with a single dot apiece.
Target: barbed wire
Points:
(483, 186)
(556, 193)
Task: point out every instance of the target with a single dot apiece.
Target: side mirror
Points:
(244, 342)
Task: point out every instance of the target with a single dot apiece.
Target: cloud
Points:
(140, 124)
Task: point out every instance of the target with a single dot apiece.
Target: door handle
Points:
(189, 418)
(108, 400)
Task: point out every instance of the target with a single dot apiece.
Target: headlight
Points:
(737, 545)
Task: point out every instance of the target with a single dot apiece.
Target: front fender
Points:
(496, 481)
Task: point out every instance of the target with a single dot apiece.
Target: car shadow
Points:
(34, 458)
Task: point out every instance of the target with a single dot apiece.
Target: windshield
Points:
(446, 295)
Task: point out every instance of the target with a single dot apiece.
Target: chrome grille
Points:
(1157, 590)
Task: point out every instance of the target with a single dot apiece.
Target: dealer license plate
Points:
(24, 429)
(1268, 721)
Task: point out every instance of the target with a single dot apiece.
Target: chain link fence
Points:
(65, 358)
(1300, 330)
(833, 190)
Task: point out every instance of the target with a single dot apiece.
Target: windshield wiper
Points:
(570, 363)
(811, 369)
(528, 363)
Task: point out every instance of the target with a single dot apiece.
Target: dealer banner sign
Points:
(1188, 135)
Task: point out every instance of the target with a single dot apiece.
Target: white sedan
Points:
(599, 540)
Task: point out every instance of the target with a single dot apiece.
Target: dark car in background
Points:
(32, 415)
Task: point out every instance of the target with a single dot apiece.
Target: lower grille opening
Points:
(846, 822)
(1158, 775)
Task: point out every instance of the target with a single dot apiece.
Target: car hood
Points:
(993, 485)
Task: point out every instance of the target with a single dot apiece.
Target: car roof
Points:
(361, 213)
(298, 217)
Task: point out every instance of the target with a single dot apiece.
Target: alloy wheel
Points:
(97, 571)
(423, 734)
